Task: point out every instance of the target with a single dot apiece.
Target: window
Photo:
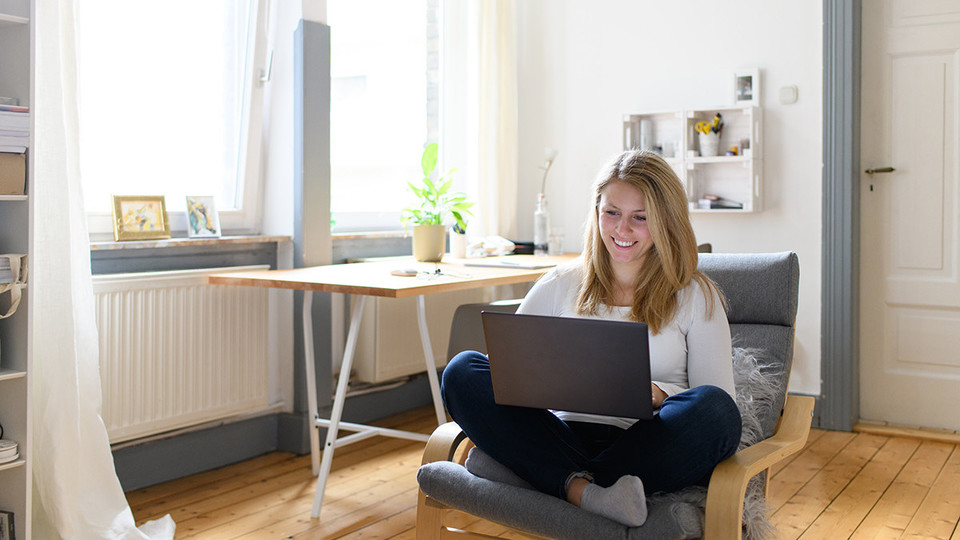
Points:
(385, 58)
(166, 90)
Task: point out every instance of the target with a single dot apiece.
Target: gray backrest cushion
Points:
(760, 288)
(761, 291)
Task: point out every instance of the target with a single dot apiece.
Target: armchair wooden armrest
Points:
(443, 443)
(728, 484)
(442, 446)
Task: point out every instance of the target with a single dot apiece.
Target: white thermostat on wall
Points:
(788, 95)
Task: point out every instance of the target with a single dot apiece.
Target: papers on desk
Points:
(508, 262)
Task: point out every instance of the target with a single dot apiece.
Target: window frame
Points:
(250, 178)
(360, 223)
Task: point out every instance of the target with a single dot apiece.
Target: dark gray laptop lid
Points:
(571, 364)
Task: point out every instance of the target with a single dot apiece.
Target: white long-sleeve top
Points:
(691, 350)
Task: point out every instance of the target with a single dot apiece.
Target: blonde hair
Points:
(671, 262)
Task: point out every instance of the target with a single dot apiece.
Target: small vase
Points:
(458, 245)
(709, 144)
(428, 242)
(541, 226)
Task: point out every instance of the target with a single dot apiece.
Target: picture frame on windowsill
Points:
(140, 217)
(203, 221)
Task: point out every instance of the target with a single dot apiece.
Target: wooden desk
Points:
(375, 279)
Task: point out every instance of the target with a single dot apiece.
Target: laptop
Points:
(570, 364)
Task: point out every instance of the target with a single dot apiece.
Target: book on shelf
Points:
(14, 119)
(11, 107)
(714, 202)
(8, 447)
(7, 531)
(16, 141)
(9, 451)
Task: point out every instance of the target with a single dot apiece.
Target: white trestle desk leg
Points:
(338, 401)
(431, 363)
(311, 375)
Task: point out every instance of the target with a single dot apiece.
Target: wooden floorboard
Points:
(841, 485)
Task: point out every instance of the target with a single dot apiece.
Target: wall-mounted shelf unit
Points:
(16, 214)
(735, 179)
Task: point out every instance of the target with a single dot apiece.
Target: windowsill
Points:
(185, 242)
(362, 235)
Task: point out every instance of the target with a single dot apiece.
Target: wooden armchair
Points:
(762, 293)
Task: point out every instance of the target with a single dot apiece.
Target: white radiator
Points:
(176, 352)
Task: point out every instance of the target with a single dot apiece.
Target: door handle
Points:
(880, 170)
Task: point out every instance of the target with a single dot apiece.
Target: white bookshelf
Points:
(16, 215)
(735, 178)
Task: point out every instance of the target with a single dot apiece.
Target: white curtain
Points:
(76, 491)
(492, 106)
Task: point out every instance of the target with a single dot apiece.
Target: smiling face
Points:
(622, 220)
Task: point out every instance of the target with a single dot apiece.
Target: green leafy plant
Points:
(436, 200)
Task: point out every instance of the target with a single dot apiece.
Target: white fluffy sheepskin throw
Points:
(757, 392)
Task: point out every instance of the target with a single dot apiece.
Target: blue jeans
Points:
(693, 432)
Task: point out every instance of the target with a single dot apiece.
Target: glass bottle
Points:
(541, 226)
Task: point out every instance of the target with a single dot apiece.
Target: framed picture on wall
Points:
(202, 217)
(140, 217)
(747, 87)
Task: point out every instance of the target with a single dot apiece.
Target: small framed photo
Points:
(140, 217)
(202, 218)
(747, 87)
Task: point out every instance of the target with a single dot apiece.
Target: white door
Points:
(910, 246)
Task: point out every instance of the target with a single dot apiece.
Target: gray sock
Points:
(484, 466)
(623, 502)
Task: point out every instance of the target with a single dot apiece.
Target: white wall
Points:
(583, 65)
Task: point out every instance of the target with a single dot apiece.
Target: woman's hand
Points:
(658, 395)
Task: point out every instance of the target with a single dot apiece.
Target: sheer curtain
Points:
(76, 491)
(492, 109)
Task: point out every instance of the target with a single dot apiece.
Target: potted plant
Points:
(437, 206)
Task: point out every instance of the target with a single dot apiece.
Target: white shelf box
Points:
(734, 178)
(658, 131)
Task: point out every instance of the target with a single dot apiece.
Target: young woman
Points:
(639, 264)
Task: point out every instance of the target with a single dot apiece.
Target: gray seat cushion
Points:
(529, 510)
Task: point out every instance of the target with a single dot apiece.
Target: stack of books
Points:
(14, 140)
(713, 202)
(14, 128)
(9, 451)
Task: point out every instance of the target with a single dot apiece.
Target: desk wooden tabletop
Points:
(375, 278)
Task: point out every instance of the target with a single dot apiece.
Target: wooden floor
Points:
(842, 485)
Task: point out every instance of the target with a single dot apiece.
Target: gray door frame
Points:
(838, 405)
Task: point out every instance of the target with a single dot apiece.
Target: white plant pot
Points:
(709, 144)
(429, 242)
